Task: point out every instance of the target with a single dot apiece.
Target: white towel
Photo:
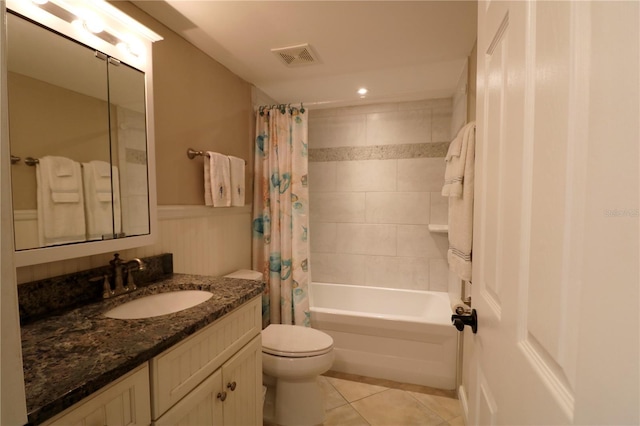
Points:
(60, 202)
(103, 215)
(456, 162)
(459, 179)
(217, 180)
(237, 181)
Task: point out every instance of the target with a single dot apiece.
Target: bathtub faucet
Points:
(471, 319)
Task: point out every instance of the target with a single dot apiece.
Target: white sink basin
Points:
(159, 304)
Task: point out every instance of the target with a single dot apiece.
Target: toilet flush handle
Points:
(231, 386)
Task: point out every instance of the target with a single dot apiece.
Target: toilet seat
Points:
(294, 341)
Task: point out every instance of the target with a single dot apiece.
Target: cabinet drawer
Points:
(124, 402)
(177, 371)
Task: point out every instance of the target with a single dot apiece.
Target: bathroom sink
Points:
(155, 305)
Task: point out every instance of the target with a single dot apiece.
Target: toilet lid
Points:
(295, 341)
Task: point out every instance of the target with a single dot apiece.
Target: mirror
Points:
(77, 124)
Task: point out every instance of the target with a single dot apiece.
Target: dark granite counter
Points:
(73, 354)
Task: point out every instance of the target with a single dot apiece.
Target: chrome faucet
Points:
(119, 268)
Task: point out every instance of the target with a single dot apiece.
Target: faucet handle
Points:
(130, 284)
(116, 261)
(106, 287)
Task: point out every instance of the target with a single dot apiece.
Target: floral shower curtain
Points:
(280, 214)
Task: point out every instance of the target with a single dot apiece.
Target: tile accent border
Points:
(379, 152)
(136, 156)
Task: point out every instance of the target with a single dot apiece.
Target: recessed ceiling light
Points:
(362, 91)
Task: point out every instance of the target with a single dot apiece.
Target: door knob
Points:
(459, 321)
(222, 396)
(231, 386)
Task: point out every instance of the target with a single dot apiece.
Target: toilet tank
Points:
(246, 274)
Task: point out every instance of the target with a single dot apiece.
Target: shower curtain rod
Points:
(282, 107)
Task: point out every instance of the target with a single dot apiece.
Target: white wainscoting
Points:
(203, 240)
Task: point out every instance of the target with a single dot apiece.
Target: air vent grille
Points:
(296, 55)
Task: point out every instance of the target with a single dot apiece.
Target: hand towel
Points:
(60, 202)
(217, 180)
(103, 214)
(459, 182)
(237, 181)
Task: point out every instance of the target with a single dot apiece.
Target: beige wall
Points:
(471, 92)
(198, 104)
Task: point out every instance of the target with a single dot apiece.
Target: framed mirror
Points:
(79, 141)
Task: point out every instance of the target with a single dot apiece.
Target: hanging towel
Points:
(60, 202)
(237, 181)
(103, 215)
(217, 180)
(458, 186)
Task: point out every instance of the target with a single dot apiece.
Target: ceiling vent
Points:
(301, 54)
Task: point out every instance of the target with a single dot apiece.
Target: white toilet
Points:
(292, 359)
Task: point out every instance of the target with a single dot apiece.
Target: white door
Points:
(555, 272)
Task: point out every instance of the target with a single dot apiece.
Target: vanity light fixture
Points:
(362, 91)
(90, 22)
(132, 47)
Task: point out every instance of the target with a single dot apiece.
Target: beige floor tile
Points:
(457, 421)
(344, 416)
(332, 398)
(353, 391)
(446, 408)
(394, 407)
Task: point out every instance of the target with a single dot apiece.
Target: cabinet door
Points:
(242, 379)
(232, 395)
(125, 402)
(201, 407)
(177, 371)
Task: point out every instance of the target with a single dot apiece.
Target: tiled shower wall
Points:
(375, 175)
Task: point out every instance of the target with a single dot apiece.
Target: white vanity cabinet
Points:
(232, 395)
(123, 402)
(213, 377)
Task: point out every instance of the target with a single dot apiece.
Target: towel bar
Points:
(192, 153)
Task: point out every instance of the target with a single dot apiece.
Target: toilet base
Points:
(294, 403)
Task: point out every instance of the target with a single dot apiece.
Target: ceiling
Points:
(398, 50)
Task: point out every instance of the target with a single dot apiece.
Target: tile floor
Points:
(351, 400)
(360, 401)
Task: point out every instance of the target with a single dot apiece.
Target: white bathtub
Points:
(400, 335)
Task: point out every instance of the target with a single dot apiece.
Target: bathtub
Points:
(400, 335)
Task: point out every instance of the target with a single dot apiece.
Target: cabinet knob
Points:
(231, 386)
(222, 396)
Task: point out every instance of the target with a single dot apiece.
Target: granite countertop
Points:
(69, 356)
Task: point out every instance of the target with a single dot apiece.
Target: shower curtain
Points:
(280, 214)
